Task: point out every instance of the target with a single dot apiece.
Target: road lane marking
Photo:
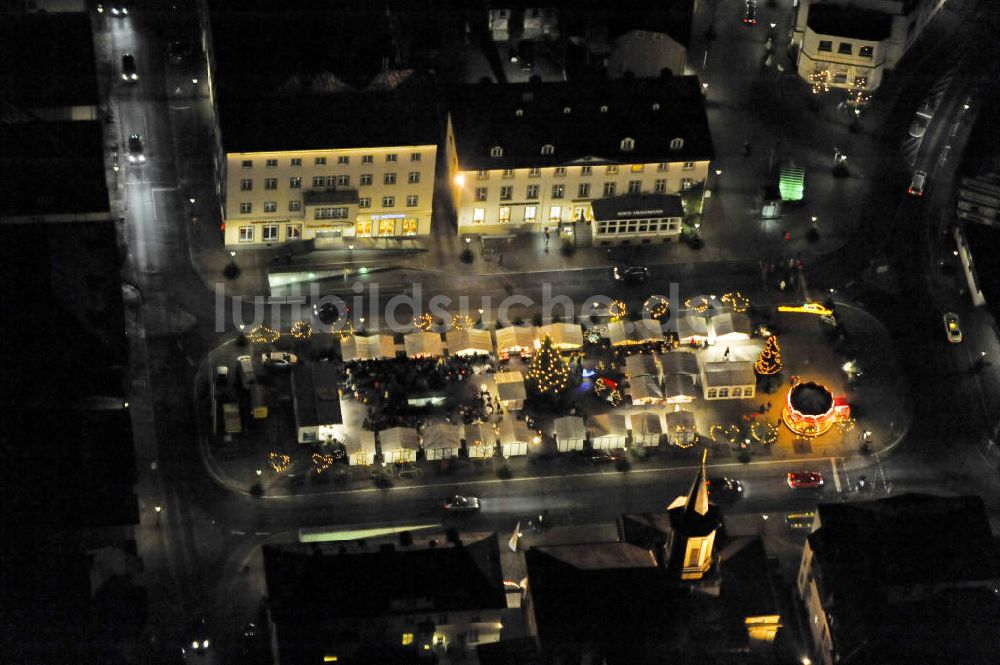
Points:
(262, 533)
(238, 533)
(836, 476)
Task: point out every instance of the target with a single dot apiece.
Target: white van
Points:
(245, 366)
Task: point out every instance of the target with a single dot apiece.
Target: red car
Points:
(805, 480)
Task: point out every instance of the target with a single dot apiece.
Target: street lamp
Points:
(814, 220)
(704, 89)
(259, 472)
(362, 326)
(158, 510)
(192, 200)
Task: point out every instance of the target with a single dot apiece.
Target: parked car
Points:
(601, 457)
(725, 489)
(197, 639)
(247, 376)
(136, 150)
(750, 13)
(250, 632)
(117, 9)
(221, 376)
(631, 274)
(952, 328)
(129, 74)
(805, 480)
(917, 184)
(461, 504)
(279, 359)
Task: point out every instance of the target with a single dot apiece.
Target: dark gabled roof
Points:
(310, 585)
(581, 17)
(631, 206)
(746, 579)
(903, 540)
(849, 22)
(316, 394)
(520, 651)
(261, 46)
(651, 112)
(47, 60)
(598, 602)
(324, 122)
(32, 152)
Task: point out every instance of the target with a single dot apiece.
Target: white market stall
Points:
(643, 364)
(514, 436)
(510, 390)
(515, 339)
(644, 390)
(647, 429)
(626, 333)
(565, 336)
(729, 327)
(480, 440)
(423, 345)
(399, 444)
(681, 428)
(608, 431)
(679, 389)
(469, 342)
(570, 433)
(441, 441)
(681, 362)
(371, 347)
(361, 452)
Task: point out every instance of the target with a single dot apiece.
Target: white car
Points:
(952, 328)
(917, 184)
(279, 359)
(461, 504)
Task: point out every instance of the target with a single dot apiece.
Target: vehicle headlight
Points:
(124, 77)
(131, 158)
(114, 10)
(124, 11)
(142, 158)
(204, 645)
(194, 645)
(135, 77)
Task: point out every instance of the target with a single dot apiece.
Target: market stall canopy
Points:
(515, 339)
(510, 388)
(730, 327)
(423, 345)
(625, 333)
(645, 389)
(608, 430)
(442, 440)
(564, 335)
(371, 347)
(362, 451)
(679, 388)
(680, 362)
(399, 444)
(514, 436)
(729, 373)
(469, 342)
(647, 428)
(570, 433)
(680, 421)
(480, 434)
(692, 326)
(643, 364)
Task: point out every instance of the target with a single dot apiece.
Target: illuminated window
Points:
(548, 149)
(386, 227)
(694, 552)
(363, 228)
(530, 213)
(609, 188)
(611, 169)
(293, 231)
(270, 232)
(555, 213)
(676, 144)
(409, 227)
(496, 151)
(246, 234)
(532, 192)
(479, 215)
(504, 214)
(407, 639)
(628, 144)
(638, 168)
(320, 161)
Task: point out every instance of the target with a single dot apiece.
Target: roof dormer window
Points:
(567, 110)
(628, 144)
(496, 151)
(548, 149)
(676, 144)
(604, 109)
(519, 112)
(656, 106)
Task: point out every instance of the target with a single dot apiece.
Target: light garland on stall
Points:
(681, 430)
(657, 307)
(769, 360)
(618, 310)
(264, 335)
(302, 330)
(322, 462)
(423, 321)
(699, 304)
(764, 432)
(462, 322)
(738, 302)
(346, 333)
(845, 426)
(820, 81)
(730, 433)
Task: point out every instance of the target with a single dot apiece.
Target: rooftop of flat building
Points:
(849, 22)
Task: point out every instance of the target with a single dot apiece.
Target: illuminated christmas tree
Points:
(547, 371)
(769, 360)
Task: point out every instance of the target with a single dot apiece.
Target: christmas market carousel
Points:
(811, 409)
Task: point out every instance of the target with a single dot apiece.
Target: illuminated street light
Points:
(259, 472)
(192, 200)
(158, 510)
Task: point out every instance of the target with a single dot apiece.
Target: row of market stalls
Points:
(441, 440)
(620, 430)
(463, 342)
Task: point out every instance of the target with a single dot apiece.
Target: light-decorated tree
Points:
(547, 372)
(769, 361)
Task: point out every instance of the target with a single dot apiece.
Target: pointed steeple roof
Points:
(697, 499)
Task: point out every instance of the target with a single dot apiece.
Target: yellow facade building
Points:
(333, 170)
(532, 157)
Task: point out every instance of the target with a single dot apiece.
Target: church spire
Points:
(697, 499)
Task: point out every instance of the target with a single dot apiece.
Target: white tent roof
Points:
(646, 423)
(608, 424)
(729, 373)
(366, 442)
(513, 430)
(691, 324)
(680, 418)
(569, 428)
(442, 435)
(730, 327)
(469, 342)
(371, 347)
(644, 388)
(680, 362)
(564, 335)
(642, 364)
(481, 434)
(678, 385)
(420, 344)
(510, 385)
(634, 332)
(396, 438)
(515, 338)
